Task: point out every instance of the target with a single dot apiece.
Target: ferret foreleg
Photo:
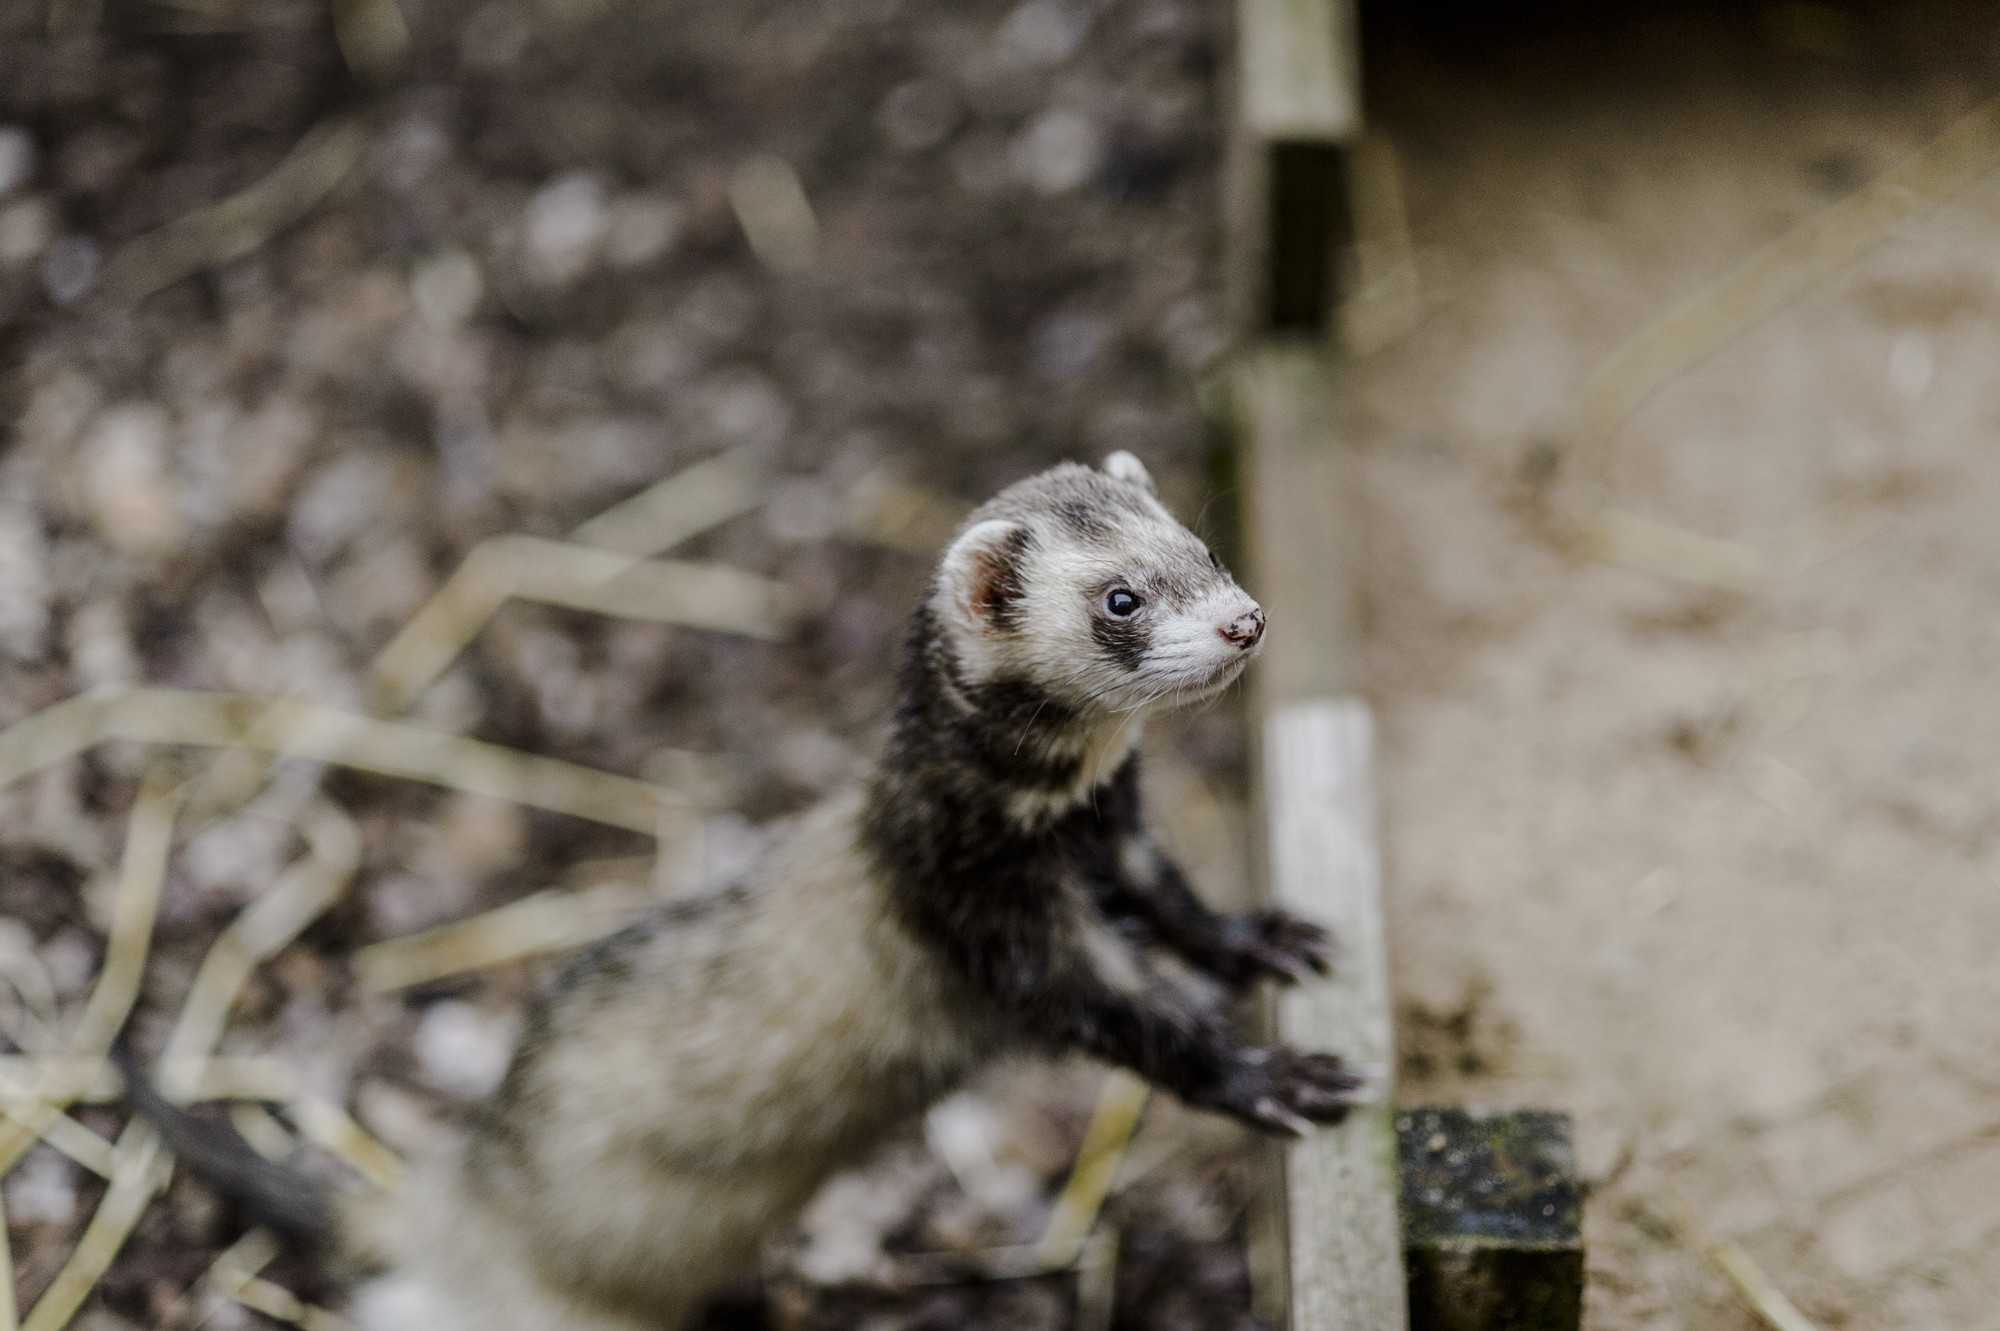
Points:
(1151, 1031)
(1236, 949)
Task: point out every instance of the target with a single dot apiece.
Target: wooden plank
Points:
(1382, 303)
(1341, 1241)
(1345, 1241)
(1301, 521)
(1492, 1219)
(1286, 212)
(1326, 1250)
(1305, 197)
(1296, 60)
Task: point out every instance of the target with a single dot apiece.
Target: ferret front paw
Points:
(1284, 1091)
(1273, 943)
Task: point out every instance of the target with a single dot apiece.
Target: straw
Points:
(885, 511)
(1657, 547)
(676, 509)
(547, 921)
(1756, 1289)
(1757, 288)
(242, 223)
(578, 577)
(329, 1126)
(1777, 273)
(95, 1081)
(52, 735)
(372, 35)
(234, 1275)
(1119, 1103)
(261, 930)
(776, 217)
(389, 748)
(149, 836)
(141, 1170)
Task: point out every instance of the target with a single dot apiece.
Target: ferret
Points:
(686, 1085)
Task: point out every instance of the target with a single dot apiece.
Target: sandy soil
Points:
(1719, 873)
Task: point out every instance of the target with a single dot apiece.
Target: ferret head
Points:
(1080, 583)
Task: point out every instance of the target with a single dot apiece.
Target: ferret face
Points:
(1080, 583)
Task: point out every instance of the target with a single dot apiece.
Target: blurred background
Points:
(1715, 868)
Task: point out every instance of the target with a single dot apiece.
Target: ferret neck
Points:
(1007, 734)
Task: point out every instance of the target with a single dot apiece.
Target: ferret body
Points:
(686, 1086)
(682, 1091)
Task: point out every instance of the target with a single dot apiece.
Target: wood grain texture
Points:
(1296, 60)
(1345, 1241)
(1295, 83)
(1302, 520)
(1330, 1216)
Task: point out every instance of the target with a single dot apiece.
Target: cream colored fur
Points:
(697, 1114)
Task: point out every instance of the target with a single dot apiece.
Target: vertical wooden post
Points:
(1346, 1243)
(1297, 103)
(1331, 1217)
(1302, 518)
(1307, 198)
(1492, 1219)
(1342, 1242)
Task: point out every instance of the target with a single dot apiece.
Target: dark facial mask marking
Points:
(1123, 640)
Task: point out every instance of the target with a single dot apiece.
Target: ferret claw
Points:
(1290, 965)
(1278, 944)
(1271, 1112)
(1288, 1089)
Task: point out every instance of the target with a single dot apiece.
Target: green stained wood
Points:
(1492, 1219)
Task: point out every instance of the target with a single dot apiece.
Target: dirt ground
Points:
(1718, 873)
(1715, 872)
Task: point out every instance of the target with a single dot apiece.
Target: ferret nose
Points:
(1245, 629)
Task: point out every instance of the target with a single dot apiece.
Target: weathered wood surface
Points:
(1492, 1219)
(1301, 520)
(1335, 1221)
(1298, 71)
(1345, 1240)
(1332, 1210)
(1296, 101)
(1382, 302)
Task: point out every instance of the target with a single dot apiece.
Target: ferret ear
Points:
(1128, 468)
(983, 577)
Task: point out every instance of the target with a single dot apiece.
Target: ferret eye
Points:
(1213, 562)
(1122, 602)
